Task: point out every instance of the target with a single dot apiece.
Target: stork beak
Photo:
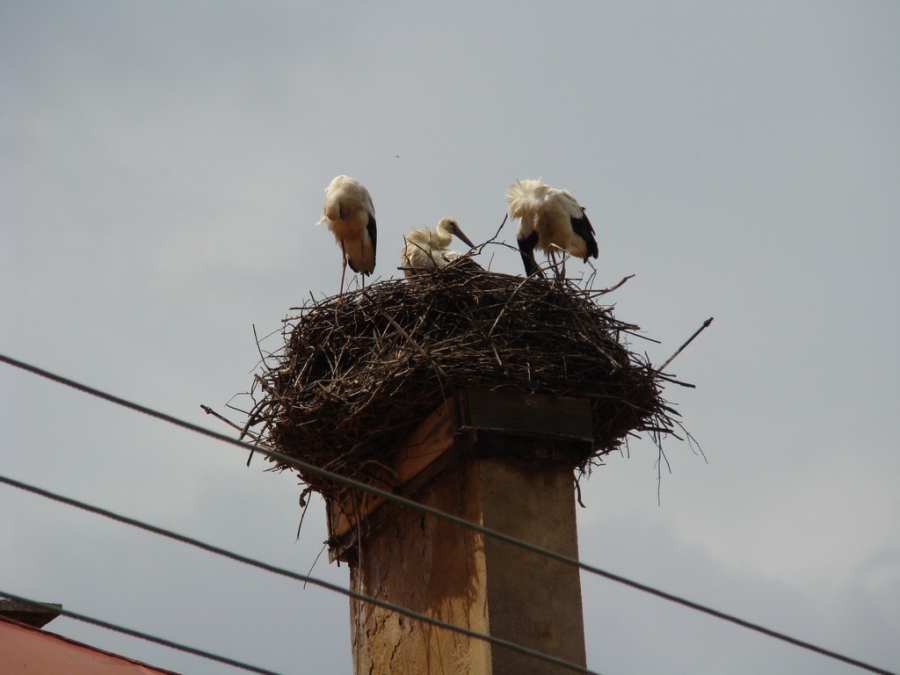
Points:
(459, 233)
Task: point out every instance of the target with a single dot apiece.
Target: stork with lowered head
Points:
(551, 220)
(350, 216)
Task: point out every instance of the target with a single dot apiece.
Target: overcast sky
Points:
(162, 167)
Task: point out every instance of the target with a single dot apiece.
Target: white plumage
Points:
(425, 248)
(350, 216)
(549, 219)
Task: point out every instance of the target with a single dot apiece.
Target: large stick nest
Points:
(358, 373)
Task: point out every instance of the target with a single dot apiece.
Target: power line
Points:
(289, 574)
(143, 636)
(296, 463)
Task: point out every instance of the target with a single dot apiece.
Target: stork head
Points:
(450, 226)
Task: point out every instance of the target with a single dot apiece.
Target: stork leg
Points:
(343, 267)
(559, 268)
(551, 253)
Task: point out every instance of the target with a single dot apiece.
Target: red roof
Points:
(25, 650)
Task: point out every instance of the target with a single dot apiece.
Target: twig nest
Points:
(358, 373)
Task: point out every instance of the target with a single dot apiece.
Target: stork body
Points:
(350, 216)
(425, 248)
(551, 220)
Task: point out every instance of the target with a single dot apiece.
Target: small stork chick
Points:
(550, 220)
(350, 216)
(424, 248)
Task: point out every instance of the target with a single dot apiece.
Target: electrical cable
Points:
(143, 636)
(290, 461)
(209, 548)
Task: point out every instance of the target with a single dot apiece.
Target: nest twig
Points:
(357, 374)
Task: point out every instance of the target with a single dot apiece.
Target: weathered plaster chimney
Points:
(499, 459)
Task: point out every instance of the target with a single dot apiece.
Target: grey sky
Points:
(162, 166)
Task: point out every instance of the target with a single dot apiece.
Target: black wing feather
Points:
(583, 228)
(373, 235)
(526, 249)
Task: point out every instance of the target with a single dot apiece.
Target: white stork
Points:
(424, 248)
(550, 220)
(350, 215)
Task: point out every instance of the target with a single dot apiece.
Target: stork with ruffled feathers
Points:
(551, 220)
(425, 248)
(350, 216)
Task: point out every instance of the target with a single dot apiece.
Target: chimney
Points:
(33, 614)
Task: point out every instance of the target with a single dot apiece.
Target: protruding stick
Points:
(681, 348)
